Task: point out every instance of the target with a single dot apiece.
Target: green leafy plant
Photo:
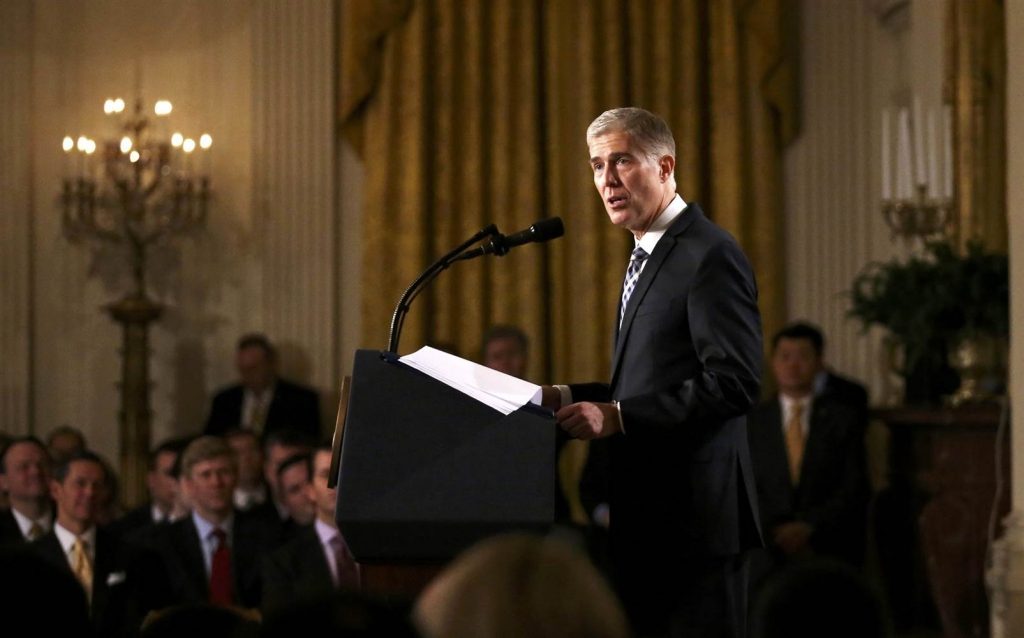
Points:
(931, 302)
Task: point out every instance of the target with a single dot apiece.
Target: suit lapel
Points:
(192, 548)
(316, 560)
(654, 263)
(103, 566)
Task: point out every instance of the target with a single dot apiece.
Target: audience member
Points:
(5, 440)
(140, 523)
(25, 477)
(251, 490)
(505, 349)
(818, 598)
(108, 500)
(520, 585)
(809, 463)
(121, 583)
(278, 446)
(831, 384)
(317, 560)
(64, 440)
(263, 402)
(214, 555)
(294, 477)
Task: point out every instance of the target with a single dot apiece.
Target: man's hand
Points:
(589, 420)
(550, 397)
(793, 537)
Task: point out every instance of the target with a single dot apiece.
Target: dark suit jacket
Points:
(686, 369)
(10, 533)
(186, 569)
(847, 392)
(293, 407)
(297, 572)
(128, 582)
(833, 491)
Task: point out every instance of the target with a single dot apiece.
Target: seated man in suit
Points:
(809, 463)
(504, 349)
(278, 447)
(252, 490)
(25, 476)
(294, 477)
(138, 524)
(213, 556)
(263, 402)
(122, 583)
(316, 561)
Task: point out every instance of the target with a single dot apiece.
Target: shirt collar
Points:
(25, 523)
(650, 239)
(67, 539)
(325, 532)
(205, 527)
(787, 403)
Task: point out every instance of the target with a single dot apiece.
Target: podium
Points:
(424, 471)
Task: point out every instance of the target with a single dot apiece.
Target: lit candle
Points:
(947, 133)
(886, 177)
(919, 142)
(933, 157)
(903, 178)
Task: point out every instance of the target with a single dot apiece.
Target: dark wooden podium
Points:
(932, 523)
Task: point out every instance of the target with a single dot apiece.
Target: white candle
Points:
(933, 158)
(886, 175)
(919, 142)
(903, 178)
(947, 133)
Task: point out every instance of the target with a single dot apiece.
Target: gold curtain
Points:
(975, 83)
(479, 115)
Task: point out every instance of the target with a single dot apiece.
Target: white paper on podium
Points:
(500, 391)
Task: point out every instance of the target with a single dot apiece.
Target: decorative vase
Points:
(981, 361)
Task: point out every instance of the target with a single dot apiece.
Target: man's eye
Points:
(598, 167)
(623, 160)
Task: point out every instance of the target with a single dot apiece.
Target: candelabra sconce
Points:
(138, 191)
(925, 218)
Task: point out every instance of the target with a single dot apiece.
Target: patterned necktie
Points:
(795, 442)
(257, 415)
(35, 532)
(81, 567)
(220, 570)
(636, 262)
(347, 576)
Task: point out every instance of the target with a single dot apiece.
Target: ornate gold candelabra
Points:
(926, 218)
(139, 191)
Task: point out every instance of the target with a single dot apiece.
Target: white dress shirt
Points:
(208, 541)
(787, 404)
(326, 533)
(45, 522)
(67, 543)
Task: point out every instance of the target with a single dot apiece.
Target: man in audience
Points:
(252, 490)
(25, 476)
(163, 493)
(213, 556)
(121, 583)
(279, 446)
(809, 463)
(505, 349)
(64, 440)
(294, 477)
(263, 402)
(317, 559)
(829, 383)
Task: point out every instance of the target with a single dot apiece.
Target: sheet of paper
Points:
(500, 391)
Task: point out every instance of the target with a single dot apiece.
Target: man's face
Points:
(28, 472)
(634, 189)
(506, 355)
(163, 487)
(324, 497)
(250, 459)
(276, 455)
(295, 493)
(795, 364)
(211, 485)
(255, 368)
(79, 497)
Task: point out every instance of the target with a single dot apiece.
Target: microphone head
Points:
(547, 229)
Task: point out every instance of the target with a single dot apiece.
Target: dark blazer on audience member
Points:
(128, 582)
(686, 369)
(833, 490)
(183, 554)
(296, 572)
(847, 392)
(293, 407)
(10, 533)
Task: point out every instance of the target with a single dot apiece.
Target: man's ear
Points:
(55, 489)
(667, 164)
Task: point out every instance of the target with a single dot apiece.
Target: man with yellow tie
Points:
(122, 583)
(809, 462)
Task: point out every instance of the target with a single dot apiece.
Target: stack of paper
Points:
(502, 392)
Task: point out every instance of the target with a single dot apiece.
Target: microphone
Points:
(540, 231)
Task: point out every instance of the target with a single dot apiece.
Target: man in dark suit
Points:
(809, 460)
(263, 402)
(685, 370)
(25, 477)
(214, 555)
(316, 561)
(138, 524)
(828, 382)
(122, 583)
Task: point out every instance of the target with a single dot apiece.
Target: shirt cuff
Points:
(566, 393)
(618, 408)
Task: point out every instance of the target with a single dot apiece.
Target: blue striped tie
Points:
(636, 262)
